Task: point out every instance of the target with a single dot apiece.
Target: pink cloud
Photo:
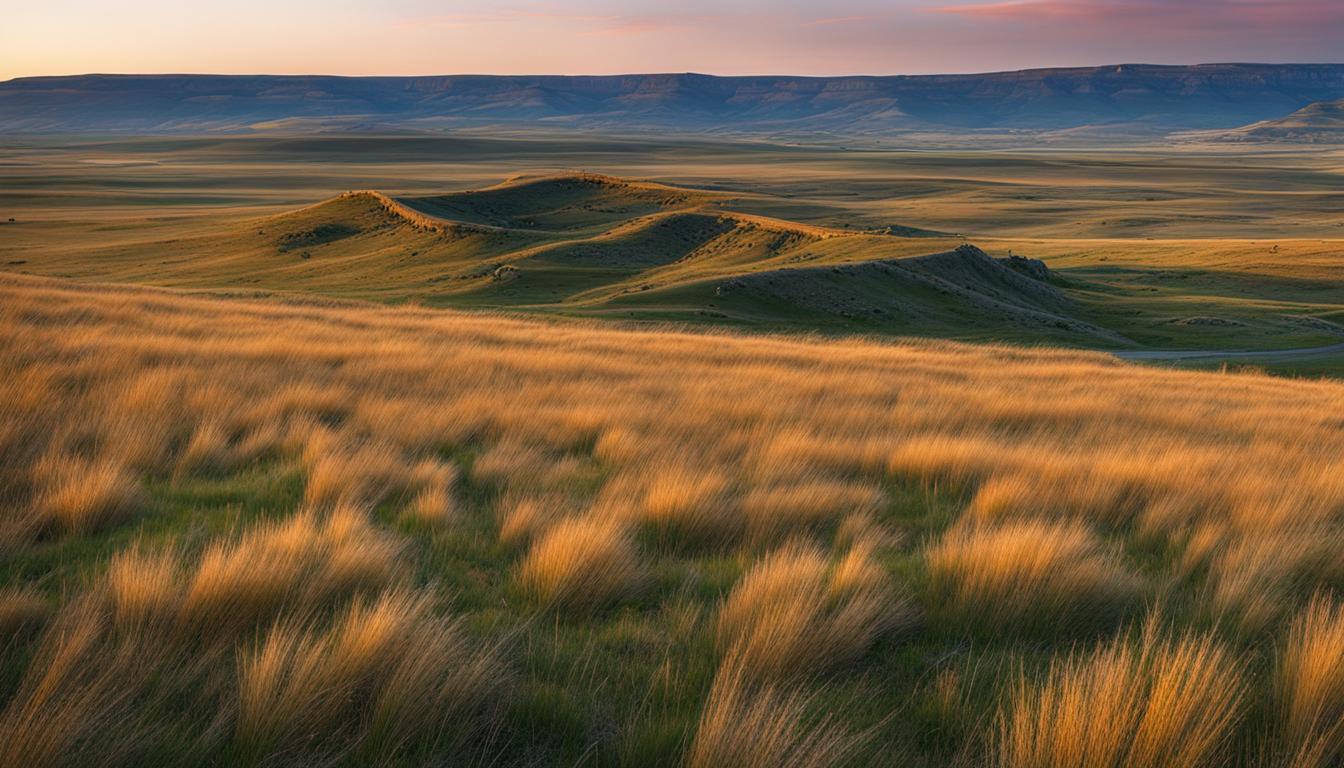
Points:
(1034, 9)
(840, 20)
(1157, 14)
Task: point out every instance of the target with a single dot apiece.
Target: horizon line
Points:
(681, 73)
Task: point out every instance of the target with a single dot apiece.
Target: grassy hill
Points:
(1320, 122)
(596, 245)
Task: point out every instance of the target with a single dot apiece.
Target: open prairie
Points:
(712, 384)
(516, 450)
(1198, 247)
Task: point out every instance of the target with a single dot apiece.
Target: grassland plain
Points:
(1199, 248)
(303, 531)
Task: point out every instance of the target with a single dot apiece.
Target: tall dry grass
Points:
(80, 701)
(689, 506)
(1169, 702)
(79, 496)
(297, 564)
(1311, 686)
(746, 724)
(794, 613)
(1029, 575)
(833, 471)
(583, 564)
(386, 678)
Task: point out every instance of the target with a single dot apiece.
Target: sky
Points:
(728, 37)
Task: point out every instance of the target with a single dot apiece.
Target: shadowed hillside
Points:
(956, 288)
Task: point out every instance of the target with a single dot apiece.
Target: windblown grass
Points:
(582, 564)
(683, 506)
(314, 532)
(749, 725)
(1163, 702)
(81, 496)
(1029, 576)
(1311, 683)
(795, 614)
(386, 678)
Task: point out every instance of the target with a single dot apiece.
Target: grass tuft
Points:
(1029, 576)
(1172, 703)
(388, 678)
(1311, 686)
(748, 725)
(794, 614)
(82, 496)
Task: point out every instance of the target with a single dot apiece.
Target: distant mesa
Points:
(1135, 99)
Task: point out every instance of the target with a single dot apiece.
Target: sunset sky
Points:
(397, 37)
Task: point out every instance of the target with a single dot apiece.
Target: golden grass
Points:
(523, 517)
(143, 587)
(793, 613)
(303, 561)
(75, 704)
(1165, 702)
(362, 474)
(685, 506)
(436, 502)
(582, 564)
(81, 496)
(779, 510)
(747, 725)
(1311, 684)
(1259, 579)
(1029, 575)
(299, 563)
(1228, 490)
(20, 610)
(388, 675)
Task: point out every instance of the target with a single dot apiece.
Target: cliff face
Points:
(1140, 98)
